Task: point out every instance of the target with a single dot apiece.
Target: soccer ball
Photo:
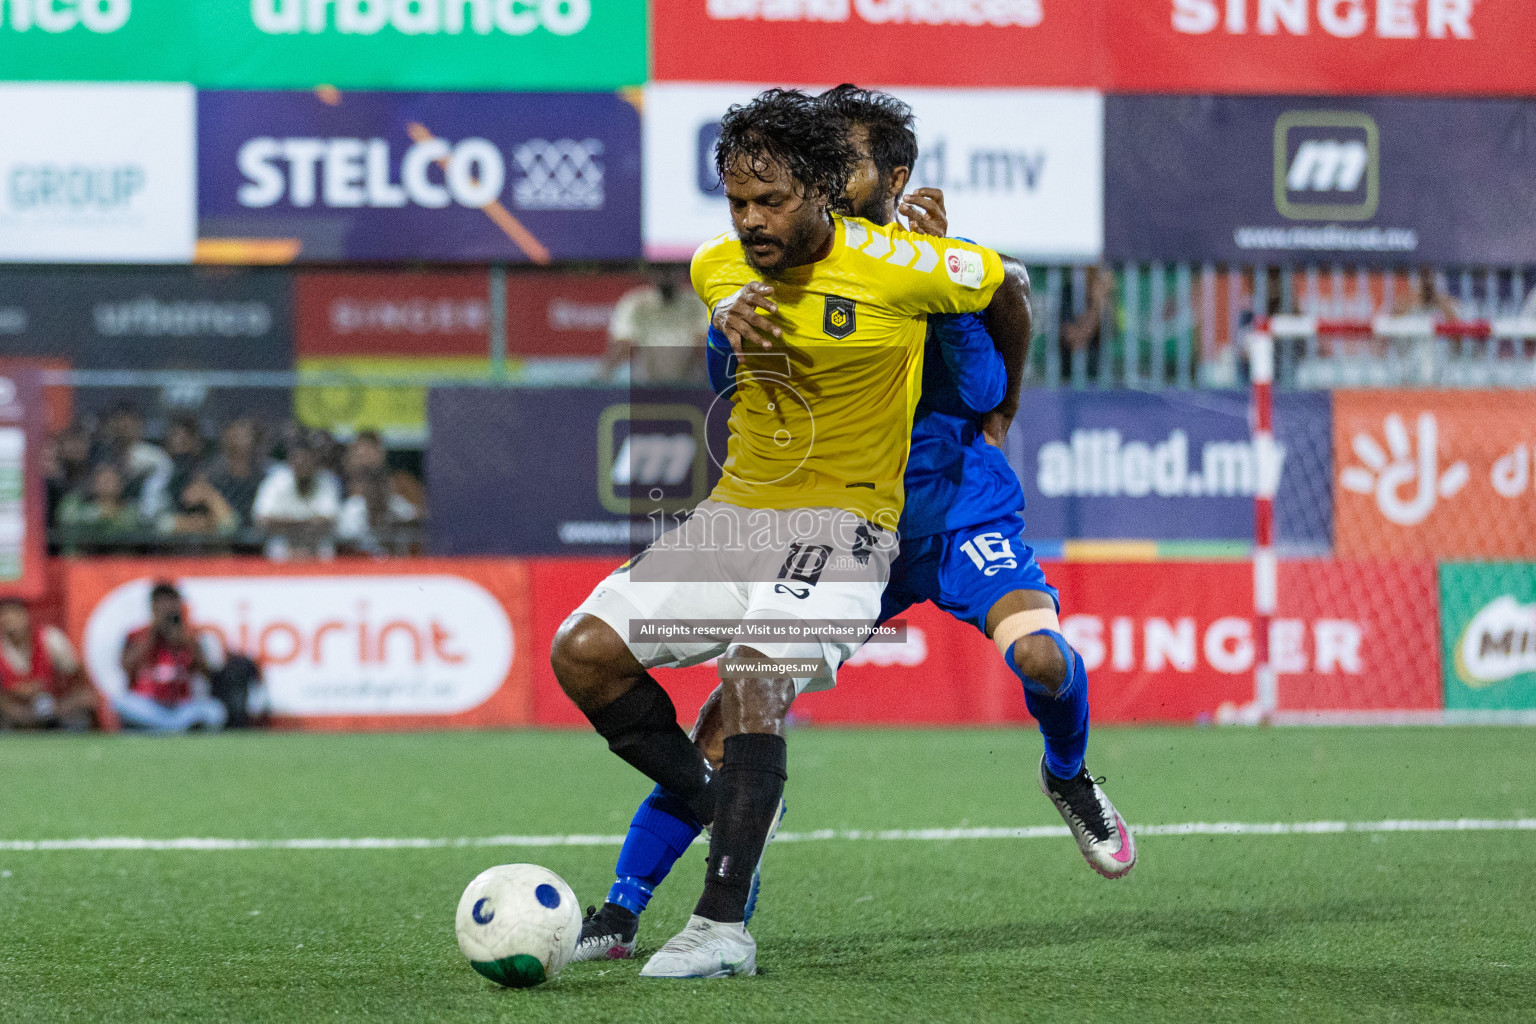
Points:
(518, 924)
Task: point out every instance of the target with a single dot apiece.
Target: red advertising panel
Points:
(562, 315)
(1468, 47)
(423, 643)
(384, 315)
(1163, 642)
(22, 529)
(1443, 474)
(889, 42)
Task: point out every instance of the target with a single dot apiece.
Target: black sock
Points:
(751, 782)
(641, 727)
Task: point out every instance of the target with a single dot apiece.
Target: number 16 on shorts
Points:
(991, 553)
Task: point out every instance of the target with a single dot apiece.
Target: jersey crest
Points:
(838, 318)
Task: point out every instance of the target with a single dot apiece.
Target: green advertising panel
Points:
(422, 44)
(97, 40)
(1488, 626)
(488, 45)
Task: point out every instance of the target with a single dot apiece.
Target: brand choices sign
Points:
(900, 42)
(1021, 170)
(1445, 474)
(467, 176)
(1301, 179)
(425, 640)
(96, 173)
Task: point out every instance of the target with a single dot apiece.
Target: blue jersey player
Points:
(962, 548)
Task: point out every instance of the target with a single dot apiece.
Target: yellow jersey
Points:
(824, 418)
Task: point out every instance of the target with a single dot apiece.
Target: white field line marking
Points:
(1193, 828)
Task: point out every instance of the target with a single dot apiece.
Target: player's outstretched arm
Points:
(1010, 321)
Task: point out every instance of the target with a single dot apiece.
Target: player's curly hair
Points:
(785, 126)
(887, 121)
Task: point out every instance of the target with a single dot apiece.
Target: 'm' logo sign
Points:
(1327, 165)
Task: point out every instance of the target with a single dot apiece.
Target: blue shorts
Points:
(965, 571)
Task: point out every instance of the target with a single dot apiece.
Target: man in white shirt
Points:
(659, 328)
(297, 504)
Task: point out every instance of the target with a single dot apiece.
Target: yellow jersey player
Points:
(793, 547)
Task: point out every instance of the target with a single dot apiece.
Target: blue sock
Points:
(1063, 718)
(662, 829)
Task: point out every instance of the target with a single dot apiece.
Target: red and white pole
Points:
(1261, 371)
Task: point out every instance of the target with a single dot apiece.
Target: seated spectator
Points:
(41, 682)
(167, 672)
(103, 512)
(68, 461)
(366, 454)
(297, 504)
(200, 511)
(238, 471)
(372, 515)
(141, 466)
(184, 447)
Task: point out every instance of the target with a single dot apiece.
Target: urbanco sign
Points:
(425, 44)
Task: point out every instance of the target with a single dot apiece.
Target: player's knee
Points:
(1037, 657)
(586, 655)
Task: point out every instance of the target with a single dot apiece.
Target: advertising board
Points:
(1296, 179)
(563, 471)
(1021, 169)
(119, 186)
(454, 177)
(1488, 627)
(1435, 474)
(1162, 642)
(1167, 465)
(367, 645)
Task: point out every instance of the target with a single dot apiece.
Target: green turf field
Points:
(1332, 927)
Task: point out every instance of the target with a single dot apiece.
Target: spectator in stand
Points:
(238, 471)
(297, 504)
(659, 329)
(1428, 299)
(68, 460)
(372, 516)
(184, 448)
(366, 454)
(167, 672)
(104, 512)
(41, 682)
(1085, 332)
(142, 467)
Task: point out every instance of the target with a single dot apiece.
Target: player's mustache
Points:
(761, 238)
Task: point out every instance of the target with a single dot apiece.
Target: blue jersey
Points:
(954, 478)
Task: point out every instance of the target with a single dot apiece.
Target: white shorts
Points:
(738, 564)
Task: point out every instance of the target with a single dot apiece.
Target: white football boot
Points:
(704, 949)
(1101, 833)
